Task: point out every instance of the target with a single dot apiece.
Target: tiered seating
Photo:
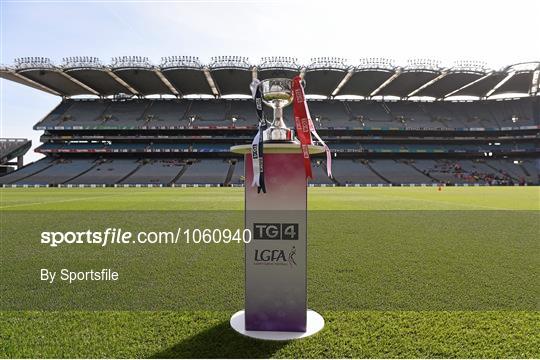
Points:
(398, 172)
(442, 115)
(531, 167)
(475, 166)
(26, 171)
(325, 113)
(83, 112)
(372, 114)
(443, 171)
(508, 167)
(243, 111)
(354, 172)
(166, 113)
(125, 113)
(107, 172)
(237, 177)
(205, 171)
(410, 114)
(160, 171)
(319, 173)
(329, 114)
(207, 112)
(61, 171)
(54, 117)
(494, 172)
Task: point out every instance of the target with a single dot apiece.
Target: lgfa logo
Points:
(275, 257)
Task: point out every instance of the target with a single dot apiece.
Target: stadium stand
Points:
(205, 172)
(108, 172)
(12, 149)
(355, 172)
(126, 114)
(166, 113)
(237, 174)
(319, 173)
(61, 171)
(156, 172)
(382, 129)
(26, 171)
(399, 172)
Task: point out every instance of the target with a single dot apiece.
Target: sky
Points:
(497, 32)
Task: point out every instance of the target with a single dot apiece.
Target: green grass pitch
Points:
(395, 293)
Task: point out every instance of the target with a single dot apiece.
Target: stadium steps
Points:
(188, 111)
(228, 110)
(493, 118)
(333, 179)
(61, 119)
(96, 163)
(101, 117)
(498, 171)
(377, 173)
(525, 170)
(129, 174)
(348, 110)
(58, 111)
(230, 173)
(32, 174)
(179, 175)
(145, 111)
(421, 172)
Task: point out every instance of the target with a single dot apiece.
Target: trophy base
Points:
(277, 134)
(314, 324)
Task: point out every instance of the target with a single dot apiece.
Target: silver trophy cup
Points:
(277, 93)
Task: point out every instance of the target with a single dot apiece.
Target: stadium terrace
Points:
(133, 123)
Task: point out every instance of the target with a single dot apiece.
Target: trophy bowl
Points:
(277, 93)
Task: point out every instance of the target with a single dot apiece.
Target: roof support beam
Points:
(35, 83)
(302, 72)
(81, 84)
(535, 82)
(442, 75)
(122, 82)
(211, 82)
(343, 82)
(467, 85)
(501, 83)
(385, 84)
(166, 82)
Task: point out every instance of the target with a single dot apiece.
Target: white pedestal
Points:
(315, 323)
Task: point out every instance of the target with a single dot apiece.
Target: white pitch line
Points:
(66, 200)
(448, 203)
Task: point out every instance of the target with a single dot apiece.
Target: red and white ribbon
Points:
(305, 128)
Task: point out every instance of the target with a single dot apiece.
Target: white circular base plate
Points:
(315, 323)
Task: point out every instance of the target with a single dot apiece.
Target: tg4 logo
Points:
(275, 231)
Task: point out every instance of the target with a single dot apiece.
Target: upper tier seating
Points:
(139, 113)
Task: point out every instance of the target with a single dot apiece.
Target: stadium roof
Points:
(11, 148)
(231, 75)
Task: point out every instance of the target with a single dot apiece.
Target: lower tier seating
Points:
(219, 171)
